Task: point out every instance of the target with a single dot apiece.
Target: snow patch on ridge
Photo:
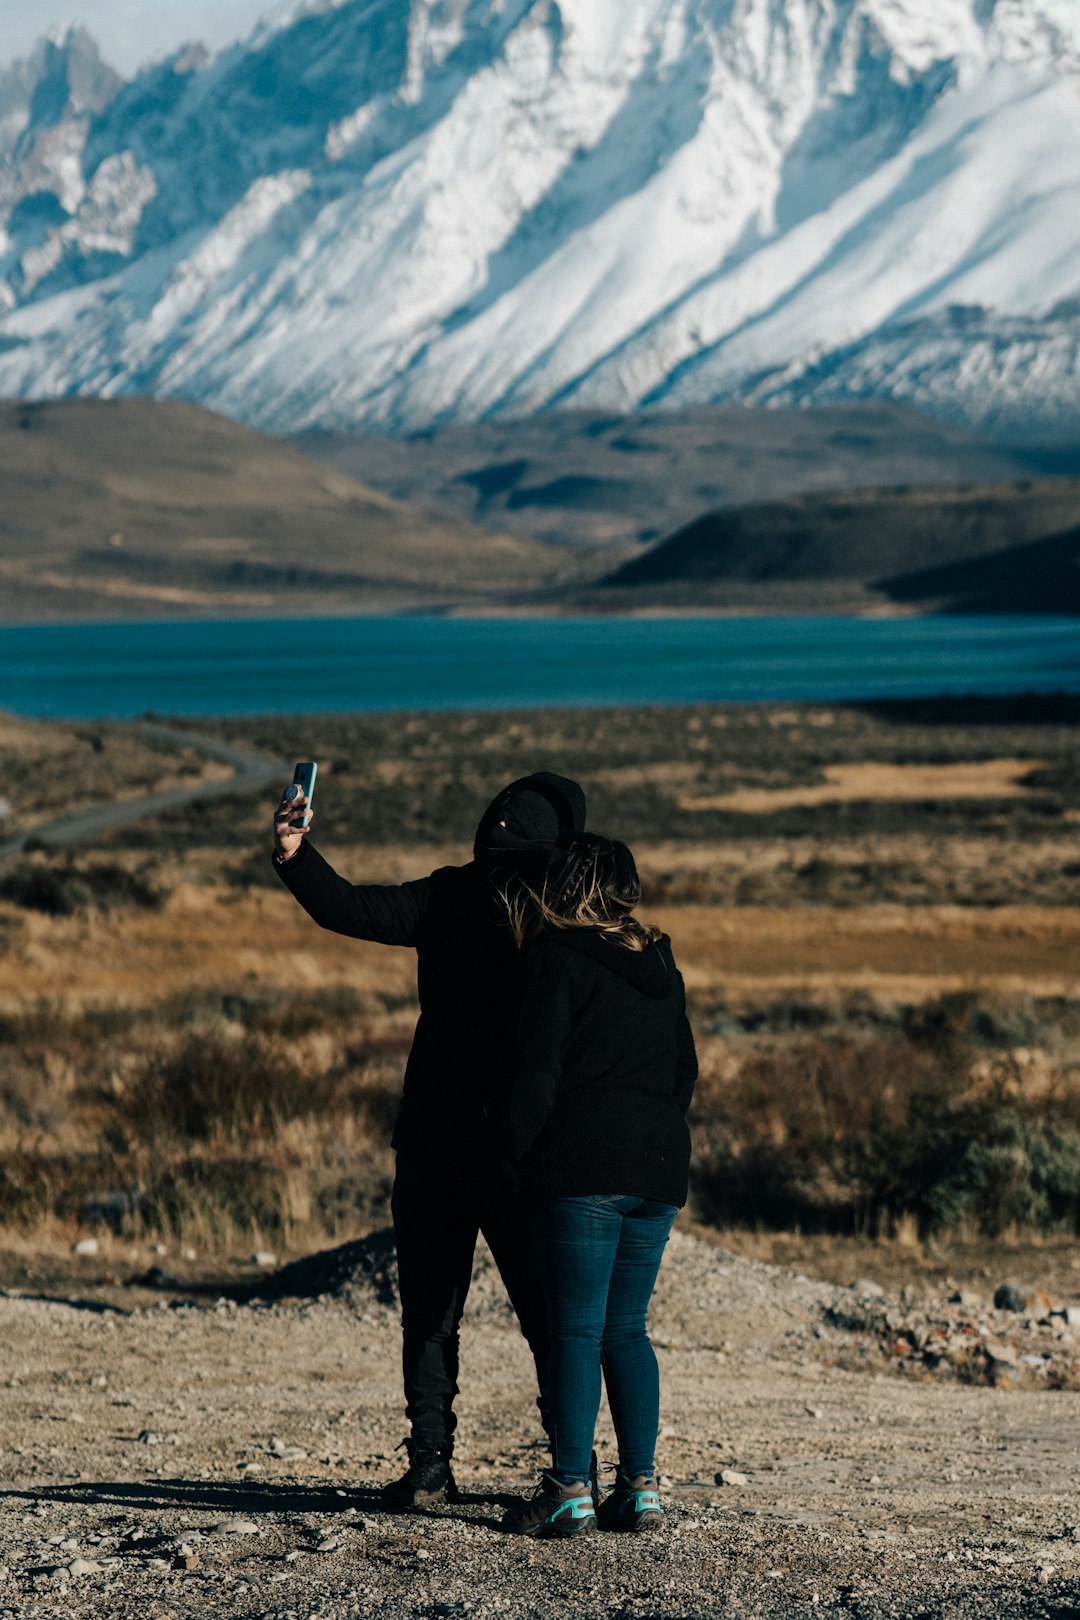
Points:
(396, 212)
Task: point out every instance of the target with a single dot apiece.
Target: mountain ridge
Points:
(396, 213)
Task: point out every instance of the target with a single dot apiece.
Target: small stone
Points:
(236, 1527)
(279, 1448)
(264, 1257)
(966, 1297)
(188, 1560)
(1011, 1298)
(150, 1437)
(85, 1246)
(731, 1476)
(867, 1288)
(187, 1253)
(331, 1544)
(1046, 1573)
(1071, 1315)
(83, 1566)
(158, 1248)
(813, 1411)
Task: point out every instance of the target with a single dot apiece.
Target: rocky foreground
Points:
(825, 1451)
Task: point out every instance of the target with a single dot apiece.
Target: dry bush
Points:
(62, 889)
(856, 1133)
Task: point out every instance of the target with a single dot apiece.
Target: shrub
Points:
(839, 1134)
(216, 1089)
(63, 890)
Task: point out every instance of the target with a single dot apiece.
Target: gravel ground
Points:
(224, 1459)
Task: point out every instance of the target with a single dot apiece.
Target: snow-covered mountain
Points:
(400, 212)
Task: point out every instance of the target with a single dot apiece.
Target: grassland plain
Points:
(878, 913)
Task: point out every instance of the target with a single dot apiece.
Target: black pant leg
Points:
(506, 1222)
(435, 1231)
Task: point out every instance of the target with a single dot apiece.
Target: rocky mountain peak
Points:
(396, 212)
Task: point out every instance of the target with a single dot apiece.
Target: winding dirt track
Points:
(252, 772)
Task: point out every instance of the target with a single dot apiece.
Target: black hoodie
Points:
(602, 1070)
(466, 963)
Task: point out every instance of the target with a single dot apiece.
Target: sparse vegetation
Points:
(182, 1055)
(916, 1119)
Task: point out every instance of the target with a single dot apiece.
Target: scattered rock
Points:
(331, 1544)
(264, 1257)
(867, 1288)
(83, 1566)
(236, 1527)
(85, 1246)
(1009, 1297)
(731, 1476)
(278, 1448)
(150, 1437)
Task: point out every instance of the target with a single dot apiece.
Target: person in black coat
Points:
(448, 1185)
(593, 1117)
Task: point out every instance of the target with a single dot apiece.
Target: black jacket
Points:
(602, 1070)
(465, 968)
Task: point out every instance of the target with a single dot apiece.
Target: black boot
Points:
(426, 1482)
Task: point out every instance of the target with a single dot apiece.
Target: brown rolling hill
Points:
(137, 508)
(925, 548)
(581, 478)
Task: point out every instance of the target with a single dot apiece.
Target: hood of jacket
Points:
(652, 971)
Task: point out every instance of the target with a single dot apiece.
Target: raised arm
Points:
(389, 914)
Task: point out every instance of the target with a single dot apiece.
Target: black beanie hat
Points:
(537, 810)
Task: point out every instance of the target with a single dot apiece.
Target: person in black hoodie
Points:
(448, 1185)
(601, 1073)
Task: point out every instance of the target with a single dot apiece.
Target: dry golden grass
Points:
(817, 939)
(896, 784)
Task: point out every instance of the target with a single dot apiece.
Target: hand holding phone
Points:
(304, 778)
(292, 818)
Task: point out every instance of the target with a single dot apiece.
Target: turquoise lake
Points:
(227, 667)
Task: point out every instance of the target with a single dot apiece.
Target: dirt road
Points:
(223, 1460)
(252, 772)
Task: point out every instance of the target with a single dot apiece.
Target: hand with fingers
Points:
(292, 822)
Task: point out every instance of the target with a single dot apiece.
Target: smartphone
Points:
(304, 777)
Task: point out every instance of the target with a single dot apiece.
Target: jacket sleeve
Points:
(686, 1064)
(389, 914)
(538, 1037)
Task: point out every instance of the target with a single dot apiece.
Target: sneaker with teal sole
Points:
(554, 1510)
(632, 1505)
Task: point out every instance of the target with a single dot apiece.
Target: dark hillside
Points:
(859, 536)
(1042, 576)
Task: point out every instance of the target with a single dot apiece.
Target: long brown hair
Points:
(590, 882)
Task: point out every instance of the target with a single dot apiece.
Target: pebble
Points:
(236, 1527)
(280, 1449)
(331, 1544)
(150, 1437)
(264, 1257)
(85, 1246)
(83, 1566)
(1011, 1298)
(731, 1476)
(867, 1288)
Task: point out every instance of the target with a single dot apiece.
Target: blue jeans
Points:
(598, 1258)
